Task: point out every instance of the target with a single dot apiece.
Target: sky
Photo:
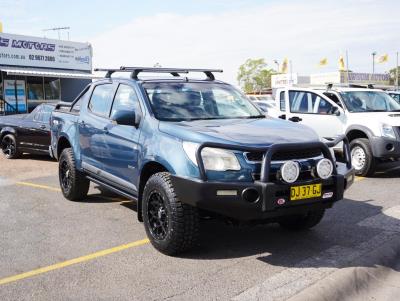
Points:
(218, 33)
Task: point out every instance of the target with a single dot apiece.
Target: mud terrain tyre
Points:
(73, 183)
(171, 225)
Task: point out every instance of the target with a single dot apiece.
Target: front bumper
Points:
(385, 148)
(207, 195)
(229, 198)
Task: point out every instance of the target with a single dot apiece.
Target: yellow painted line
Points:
(39, 186)
(357, 179)
(72, 261)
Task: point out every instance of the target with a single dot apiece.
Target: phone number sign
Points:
(18, 50)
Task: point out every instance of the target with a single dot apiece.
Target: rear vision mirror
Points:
(126, 117)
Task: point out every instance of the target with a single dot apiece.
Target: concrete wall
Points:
(71, 87)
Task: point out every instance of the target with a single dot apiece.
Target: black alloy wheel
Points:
(158, 216)
(65, 176)
(9, 147)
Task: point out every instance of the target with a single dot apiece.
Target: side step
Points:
(112, 188)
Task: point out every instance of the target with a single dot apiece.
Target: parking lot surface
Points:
(53, 249)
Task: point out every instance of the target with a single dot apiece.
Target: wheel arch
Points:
(62, 144)
(149, 168)
(358, 131)
(7, 130)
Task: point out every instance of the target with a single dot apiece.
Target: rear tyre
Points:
(73, 183)
(362, 158)
(302, 222)
(171, 225)
(9, 147)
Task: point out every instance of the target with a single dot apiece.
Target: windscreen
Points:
(369, 101)
(172, 101)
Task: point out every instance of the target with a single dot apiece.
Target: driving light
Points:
(290, 171)
(324, 168)
(387, 131)
(215, 159)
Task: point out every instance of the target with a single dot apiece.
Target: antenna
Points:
(58, 29)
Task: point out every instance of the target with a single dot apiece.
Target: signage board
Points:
(14, 94)
(19, 50)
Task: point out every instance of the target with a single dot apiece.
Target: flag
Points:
(1, 27)
(341, 63)
(323, 62)
(284, 67)
(383, 59)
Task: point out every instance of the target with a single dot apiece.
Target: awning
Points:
(48, 73)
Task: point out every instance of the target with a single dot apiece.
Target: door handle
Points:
(42, 126)
(105, 129)
(295, 119)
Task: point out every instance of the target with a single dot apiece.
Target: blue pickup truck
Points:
(186, 148)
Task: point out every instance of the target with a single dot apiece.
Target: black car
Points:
(27, 133)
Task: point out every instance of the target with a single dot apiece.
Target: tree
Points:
(254, 75)
(392, 73)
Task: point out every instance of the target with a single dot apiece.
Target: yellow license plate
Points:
(305, 192)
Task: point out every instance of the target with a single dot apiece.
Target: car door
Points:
(121, 160)
(34, 131)
(315, 111)
(92, 124)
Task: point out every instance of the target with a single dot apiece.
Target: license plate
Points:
(305, 192)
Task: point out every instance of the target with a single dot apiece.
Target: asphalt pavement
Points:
(54, 249)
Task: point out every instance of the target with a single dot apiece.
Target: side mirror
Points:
(335, 111)
(126, 117)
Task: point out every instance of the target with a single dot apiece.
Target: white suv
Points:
(370, 119)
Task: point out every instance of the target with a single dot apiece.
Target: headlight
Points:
(324, 168)
(290, 171)
(387, 131)
(213, 158)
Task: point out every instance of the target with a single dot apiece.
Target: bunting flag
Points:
(323, 62)
(341, 63)
(383, 59)
(1, 27)
(284, 67)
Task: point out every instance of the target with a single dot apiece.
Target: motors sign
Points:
(18, 50)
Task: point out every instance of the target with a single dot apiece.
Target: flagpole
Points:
(347, 67)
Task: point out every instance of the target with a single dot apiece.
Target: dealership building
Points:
(39, 70)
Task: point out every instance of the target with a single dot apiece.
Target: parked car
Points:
(368, 117)
(265, 106)
(26, 133)
(395, 95)
(260, 97)
(182, 147)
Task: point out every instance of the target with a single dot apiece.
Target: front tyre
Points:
(9, 147)
(302, 222)
(171, 225)
(73, 183)
(362, 158)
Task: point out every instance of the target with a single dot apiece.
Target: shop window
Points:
(52, 88)
(35, 88)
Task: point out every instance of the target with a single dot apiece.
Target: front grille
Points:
(285, 155)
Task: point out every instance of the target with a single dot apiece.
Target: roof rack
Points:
(173, 71)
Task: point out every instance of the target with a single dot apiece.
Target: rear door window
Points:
(101, 100)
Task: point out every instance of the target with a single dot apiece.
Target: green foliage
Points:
(254, 75)
(392, 73)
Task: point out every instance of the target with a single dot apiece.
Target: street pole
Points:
(277, 65)
(373, 62)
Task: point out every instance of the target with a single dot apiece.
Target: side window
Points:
(46, 113)
(324, 107)
(37, 113)
(76, 108)
(125, 99)
(101, 100)
(303, 102)
(282, 101)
